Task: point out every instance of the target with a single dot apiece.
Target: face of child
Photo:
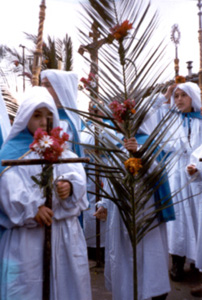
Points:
(46, 83)
(39, 119)
(183, 101)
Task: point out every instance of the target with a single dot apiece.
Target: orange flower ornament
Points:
(133, 165)
(120, 31)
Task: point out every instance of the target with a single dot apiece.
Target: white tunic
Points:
(152, 260)
(88, 218)
(152, 257)
(197, 183)
(21, 246)
(182, 233)
(22, 242)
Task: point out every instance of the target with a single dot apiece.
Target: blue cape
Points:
(75, 147)
(162, 194)
(1, 137)
(16, 147)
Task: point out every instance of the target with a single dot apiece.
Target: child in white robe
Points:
(194, 170)
(22, 202)
(152, 250)
(5, 127)
(63, 87)
(185, 102)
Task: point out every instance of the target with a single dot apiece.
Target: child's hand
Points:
(44, 216)
(101, 213)
(191, 169)
(64, 189)
(169, 92)
(130, 144)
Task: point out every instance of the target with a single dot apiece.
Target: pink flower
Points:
(89, 82)
(55, 132)
(129, 103)
(39, 133)
(122, 110)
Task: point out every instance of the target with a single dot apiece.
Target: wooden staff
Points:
(93, 51)
(38, 161)
(36, 69)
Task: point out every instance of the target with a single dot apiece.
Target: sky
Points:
(62, 17)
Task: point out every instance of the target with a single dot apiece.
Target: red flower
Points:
(120, 31)
(122, 110)
(89, 82)
(39, 133)
(55, 132)
(49, 147)
(16, 63)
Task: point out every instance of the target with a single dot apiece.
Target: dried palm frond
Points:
(11, 103)
(127, 69)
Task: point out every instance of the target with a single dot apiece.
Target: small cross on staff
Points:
(92, 49)
(47, 243)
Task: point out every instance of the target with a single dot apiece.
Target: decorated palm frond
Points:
(122, 86)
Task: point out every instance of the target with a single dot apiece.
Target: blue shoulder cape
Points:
(16, 147)
(1, 138)
(75, 147)
(162, 194)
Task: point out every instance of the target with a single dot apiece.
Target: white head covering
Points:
(4, 119)
(193, 91)
(65, 84)
(37, 97)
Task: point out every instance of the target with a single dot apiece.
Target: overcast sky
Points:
(18, 16)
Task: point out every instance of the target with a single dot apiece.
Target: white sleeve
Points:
(20, 198)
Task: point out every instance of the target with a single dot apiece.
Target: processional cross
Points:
(48, 203)
(92, 49)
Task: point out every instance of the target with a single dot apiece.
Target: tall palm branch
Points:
(54, 51)
(128, 68)
(13, 65)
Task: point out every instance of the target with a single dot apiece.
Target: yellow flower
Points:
(133, 165)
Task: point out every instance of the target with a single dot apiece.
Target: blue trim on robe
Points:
(189, 115)
(163, 192)
(16, 147)
(192, 114)
(1, 137)
(75, 147)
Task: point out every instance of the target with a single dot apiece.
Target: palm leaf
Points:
(127, 68)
